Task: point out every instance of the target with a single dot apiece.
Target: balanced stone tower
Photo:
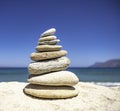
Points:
(48, 78)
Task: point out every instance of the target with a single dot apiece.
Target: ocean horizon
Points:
(100, 76)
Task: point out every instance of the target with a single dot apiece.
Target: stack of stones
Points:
(48, 78)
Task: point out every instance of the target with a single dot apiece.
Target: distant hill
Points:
(115, 63)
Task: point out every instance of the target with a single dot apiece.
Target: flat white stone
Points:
(48, 32)
(46, 66)
(60, 78)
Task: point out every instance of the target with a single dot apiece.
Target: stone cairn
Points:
(48, 78)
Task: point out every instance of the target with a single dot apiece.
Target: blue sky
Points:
(88, 29)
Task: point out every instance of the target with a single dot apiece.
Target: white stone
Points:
(48, 32)
(60, 78)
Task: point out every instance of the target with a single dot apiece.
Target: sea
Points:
(100, 76)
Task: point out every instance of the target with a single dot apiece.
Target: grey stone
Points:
(52, 42)
(37, 56)
(48, 47)
(47, 38)
(47, 66)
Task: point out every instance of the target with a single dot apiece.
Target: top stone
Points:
(48, 32)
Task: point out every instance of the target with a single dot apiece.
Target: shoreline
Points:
(107, 84)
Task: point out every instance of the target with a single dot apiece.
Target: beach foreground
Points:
(91, 98)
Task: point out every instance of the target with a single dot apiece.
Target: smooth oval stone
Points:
(37, 56)
(52, 42)
(50, 92)
(60, 78)
(47, 38)
(42, 67)
(48, 32)
(48, 47)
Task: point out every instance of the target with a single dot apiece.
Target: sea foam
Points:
(109, 84)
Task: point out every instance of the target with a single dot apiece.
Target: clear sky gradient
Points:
(88, 29)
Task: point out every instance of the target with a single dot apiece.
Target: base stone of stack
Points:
(47, 66)
(60, 78)
(37, 56)
(50, 92)
(48, 47)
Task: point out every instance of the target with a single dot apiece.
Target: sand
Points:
(91, 98)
